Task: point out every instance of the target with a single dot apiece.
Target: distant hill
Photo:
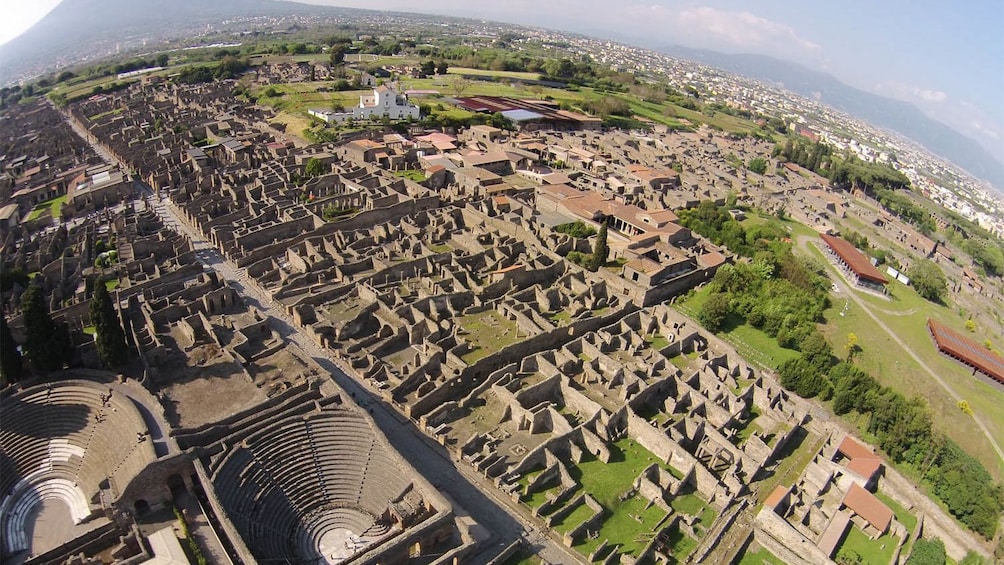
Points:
(896, 115)
(77, 27)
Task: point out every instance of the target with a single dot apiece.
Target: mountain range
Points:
(901, 117)
(95, 27)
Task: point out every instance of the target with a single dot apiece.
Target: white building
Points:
(383, 102)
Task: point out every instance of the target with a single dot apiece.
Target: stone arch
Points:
(176, 483)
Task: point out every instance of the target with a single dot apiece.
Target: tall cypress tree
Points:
(10, 357)
(600, 249)
(49, 346)
(110, 338)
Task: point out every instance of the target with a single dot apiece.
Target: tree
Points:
(337, 54)
(714, 311)
(816, 351)
(758, 165)
(600, 249)
(800, 376)
(10, 357)
(314, 168)
(851, 346)
(110, 338)
(928, 552)
(927, 278)
(428, 67)
(48, 344)
(442, 67)
(459, 84)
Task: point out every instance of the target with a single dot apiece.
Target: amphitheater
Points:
(75, 442)
(324, 487)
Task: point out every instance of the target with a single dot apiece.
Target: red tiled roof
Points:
(865, 467)
(855, 260)
(863, 461)
(864, 504)
(851, 449)
(961, 347)
(776, 496)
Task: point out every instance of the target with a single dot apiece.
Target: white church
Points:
(384, 101)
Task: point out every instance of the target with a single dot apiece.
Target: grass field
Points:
(906, 314)
(794, 457)
(415, 175)
(902, 514)
(488, 73)
(872, 552)
(759, 557)
(55, 206)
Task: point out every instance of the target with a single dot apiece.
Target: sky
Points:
(945, 57)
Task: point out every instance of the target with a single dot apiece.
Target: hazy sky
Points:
(946, 57)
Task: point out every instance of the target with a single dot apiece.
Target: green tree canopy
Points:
(715, 310)
(927, 278)
(758, 165)
(314, 167)
(928, 552)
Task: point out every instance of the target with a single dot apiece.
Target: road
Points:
(846, 288)
(505, 519)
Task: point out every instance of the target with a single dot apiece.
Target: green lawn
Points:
(656, 341)
(759, 557)
(872, 552)
(417, 176)
(90, 330)
(682, 545)
(112, 284)
(97, 117)
(581, 513)
(794, 457)
(55, 206)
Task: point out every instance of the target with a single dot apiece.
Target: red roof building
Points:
(861, 461)
(855, 264)
(872, 510)
(960, 347)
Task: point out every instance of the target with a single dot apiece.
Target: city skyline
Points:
(911, 51)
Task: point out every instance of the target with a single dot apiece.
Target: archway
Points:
(142, 508)
(177, 485)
